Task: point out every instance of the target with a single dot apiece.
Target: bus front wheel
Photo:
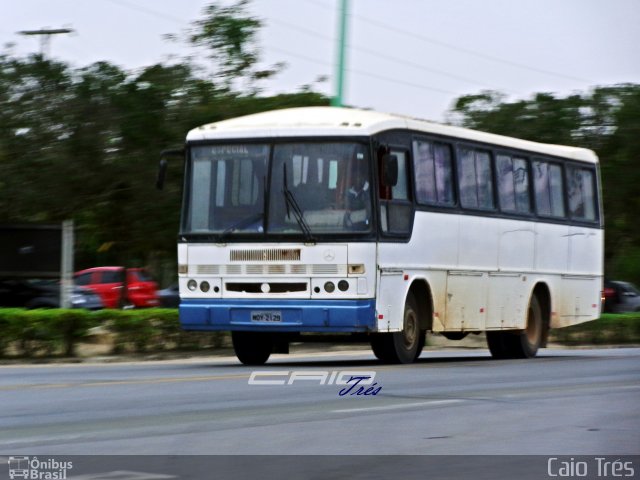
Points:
(522, 343)
(252, 348)
(404, 346)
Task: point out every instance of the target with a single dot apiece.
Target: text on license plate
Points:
(271, 316)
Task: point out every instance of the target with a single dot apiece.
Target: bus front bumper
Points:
(279, 315)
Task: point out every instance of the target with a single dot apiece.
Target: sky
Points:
(412, 57)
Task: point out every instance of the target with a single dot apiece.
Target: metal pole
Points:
(336, 101)
(45, 37)
(66, 264)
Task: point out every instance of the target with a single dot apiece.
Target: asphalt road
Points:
(565, 402)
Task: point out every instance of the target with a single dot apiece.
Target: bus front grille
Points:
(266, 255)
(256, 269)
(272, 287)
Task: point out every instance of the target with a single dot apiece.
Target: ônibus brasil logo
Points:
(353, 382)
(38, 469)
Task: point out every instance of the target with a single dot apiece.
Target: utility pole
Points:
(336, 101)
(66, 264)
(45, 37)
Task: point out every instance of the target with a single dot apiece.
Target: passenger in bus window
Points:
(358, 193)
(358, 197)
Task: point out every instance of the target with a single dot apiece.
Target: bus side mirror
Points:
(162, 173)
(162, 168)
(389, 170)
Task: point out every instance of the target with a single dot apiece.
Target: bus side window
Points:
(474, 178)
(581, 194)
(521, 180)
(432, 167)
(424, 168)
(400, 190)
(548, 189)
(513, 184)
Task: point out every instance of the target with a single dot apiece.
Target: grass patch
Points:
(610, 329)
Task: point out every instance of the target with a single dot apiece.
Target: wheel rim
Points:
(410, 330)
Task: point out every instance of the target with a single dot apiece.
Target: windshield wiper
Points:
(290, 201)
(242, 223)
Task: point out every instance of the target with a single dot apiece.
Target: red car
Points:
(119, 287)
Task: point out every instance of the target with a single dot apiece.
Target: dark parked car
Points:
(621, 297)
(169, 297)
(43, 294)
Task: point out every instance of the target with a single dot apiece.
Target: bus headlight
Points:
(329, 287)
(204, 286)
(343, 285)
(192, 285)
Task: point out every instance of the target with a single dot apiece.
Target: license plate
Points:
(272, 316)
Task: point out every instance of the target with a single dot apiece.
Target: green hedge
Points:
(37, 333)
(49, 332)
(610, 329)
(43, 332)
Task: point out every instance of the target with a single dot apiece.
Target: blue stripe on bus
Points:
(296, 315)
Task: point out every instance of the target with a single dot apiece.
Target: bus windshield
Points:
(310, 189)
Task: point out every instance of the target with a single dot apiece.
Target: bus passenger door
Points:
(396, 222)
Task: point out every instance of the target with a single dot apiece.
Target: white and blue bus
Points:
(343, 221)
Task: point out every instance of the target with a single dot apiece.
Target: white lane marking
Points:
(430, 403)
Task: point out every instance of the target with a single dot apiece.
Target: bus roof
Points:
(340, 121)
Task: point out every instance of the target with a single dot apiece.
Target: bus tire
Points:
(532, 337)
(523, 343)
(421, 343)
(380, 346)
(404, 346)
(498, 343)
(252, 348)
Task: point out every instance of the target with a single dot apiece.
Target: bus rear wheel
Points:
(404, 346)
(252, 348)
(522, 343)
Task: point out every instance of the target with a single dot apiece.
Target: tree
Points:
(229, 35)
